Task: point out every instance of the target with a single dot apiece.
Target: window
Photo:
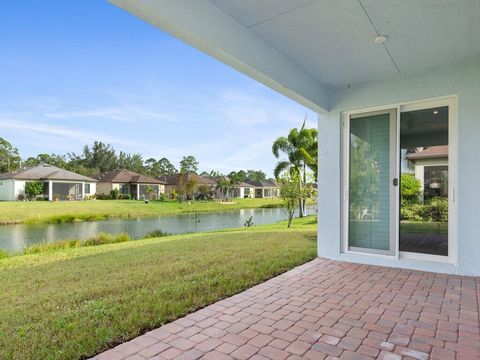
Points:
(87, 188)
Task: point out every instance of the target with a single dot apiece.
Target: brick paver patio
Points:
(326, 310)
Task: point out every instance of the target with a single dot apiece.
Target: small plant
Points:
(56, 197)
(33, 189)
(3, 254)
(21, 197)
(114, 194)
(155, 234)
(249, 222)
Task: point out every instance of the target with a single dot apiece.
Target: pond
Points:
(16, 237)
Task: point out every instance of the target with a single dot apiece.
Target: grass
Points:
(419, 227)
(99, 239)
(38, 212)
(77, 302)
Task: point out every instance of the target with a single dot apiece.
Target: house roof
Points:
(309, 49)
(433, 152)
(264, 184)
(127, 176)
(200, 180)
(45, 172)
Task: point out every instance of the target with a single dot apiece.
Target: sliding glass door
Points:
(424, 203)
(399, 183)
(371, 182)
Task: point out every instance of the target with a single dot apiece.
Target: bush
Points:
(434, 210)
(3, 254)
(155, 234)
(409, 187)
(103, 197)
(114, 194)
(33, 189)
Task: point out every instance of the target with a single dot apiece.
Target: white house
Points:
(377, 73)
(431, 169)
(58, 184)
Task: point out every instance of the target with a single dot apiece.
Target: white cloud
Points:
(71, 133)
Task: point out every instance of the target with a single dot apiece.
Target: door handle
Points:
(395, 182)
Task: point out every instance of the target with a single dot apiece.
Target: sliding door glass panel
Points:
(424, 181)
(369, 223)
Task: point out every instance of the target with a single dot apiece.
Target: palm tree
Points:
(301, 150)
(223, 185)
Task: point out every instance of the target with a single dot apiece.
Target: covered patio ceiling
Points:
(307, 48)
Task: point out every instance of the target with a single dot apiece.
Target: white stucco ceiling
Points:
(333, 39)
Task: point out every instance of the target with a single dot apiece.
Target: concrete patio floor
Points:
(326, 310)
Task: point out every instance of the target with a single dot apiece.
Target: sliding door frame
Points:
(393, 173)
(451, 102)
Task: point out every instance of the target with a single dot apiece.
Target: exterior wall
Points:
(103, 188)
(7, 190)
(93, 188)
(463, 81)
(19, 188)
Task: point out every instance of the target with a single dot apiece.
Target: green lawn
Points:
(77, 302)
(419, 227)
(68, 211)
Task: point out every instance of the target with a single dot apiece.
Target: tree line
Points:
(101, 157)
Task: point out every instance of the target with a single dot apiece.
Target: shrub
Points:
(155, 234)
(103, 197)
(33, 189)
(409, 187)
(114, 194)
(3, 254)
(434, 210)
(21, 197)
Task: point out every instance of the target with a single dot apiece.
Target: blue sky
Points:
(72, 72)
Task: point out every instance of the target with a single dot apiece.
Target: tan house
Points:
(264, 189)
(173, 181)
(128, 183)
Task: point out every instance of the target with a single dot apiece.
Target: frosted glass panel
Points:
(369, 182)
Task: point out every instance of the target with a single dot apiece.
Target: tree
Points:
(290, 192)
(223, 185)
(33, 189)
(100, 156)
(52, 159)
(204, 192)
(190, 189)
(189, 164)
(166, 168)
(255, 175)
(301, 150)
(9, 157)
(132, 162)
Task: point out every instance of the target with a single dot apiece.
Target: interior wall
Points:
(460, 80)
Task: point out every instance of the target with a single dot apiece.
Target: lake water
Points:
(16, 237)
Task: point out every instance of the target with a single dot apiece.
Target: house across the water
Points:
(58, 184)
(264, 189)
(129, 183)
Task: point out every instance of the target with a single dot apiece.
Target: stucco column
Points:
(50, 190)
(242, 192)
(138, 191)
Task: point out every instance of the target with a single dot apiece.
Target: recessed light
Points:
(380, 39)
(435, 112)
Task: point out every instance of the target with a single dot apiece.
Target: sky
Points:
(72, 72)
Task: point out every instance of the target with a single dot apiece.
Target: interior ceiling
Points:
(333, 40)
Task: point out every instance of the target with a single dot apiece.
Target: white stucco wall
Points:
(463, 81)
(7, 190)
(19, 188)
